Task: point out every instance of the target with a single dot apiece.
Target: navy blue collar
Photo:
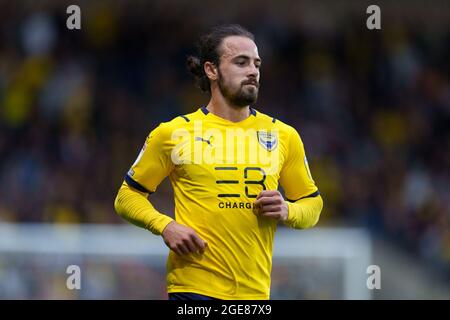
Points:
(252, 111)
(205, 111)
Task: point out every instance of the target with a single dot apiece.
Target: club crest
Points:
(268, 140)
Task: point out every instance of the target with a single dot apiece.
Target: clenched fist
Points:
(270, 204)
(182, 239)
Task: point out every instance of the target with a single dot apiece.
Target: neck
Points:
(221, 108)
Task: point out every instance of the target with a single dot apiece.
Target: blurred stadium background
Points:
(373, 108)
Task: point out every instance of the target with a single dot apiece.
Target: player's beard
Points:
(241, 97)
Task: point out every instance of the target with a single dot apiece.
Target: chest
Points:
(229, 163)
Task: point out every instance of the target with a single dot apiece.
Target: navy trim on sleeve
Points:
(252, 111)
(135, 184)
(312, 195)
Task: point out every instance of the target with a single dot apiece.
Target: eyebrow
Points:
(243, 56)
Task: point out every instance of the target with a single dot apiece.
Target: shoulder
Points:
(288, 136)
(276, 124)
(165, 129)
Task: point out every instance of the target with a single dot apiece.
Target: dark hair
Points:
(208, 50)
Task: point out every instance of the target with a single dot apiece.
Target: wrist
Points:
(285, 215)
(166, 227)
(289, 215)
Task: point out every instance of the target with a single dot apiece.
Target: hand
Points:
(182, 239)
(270, 204)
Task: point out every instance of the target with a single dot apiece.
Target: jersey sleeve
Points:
(153, 163)
(295, 176)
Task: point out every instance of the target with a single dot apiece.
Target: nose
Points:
(253, 72)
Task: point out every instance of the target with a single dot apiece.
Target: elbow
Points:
(304, 213)
(119, 201)
(118, 205)
(126, 201)
(318, 211)
(315, 213)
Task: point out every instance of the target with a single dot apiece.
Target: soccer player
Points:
(225, 162)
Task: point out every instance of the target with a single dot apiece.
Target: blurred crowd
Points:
(372, 107)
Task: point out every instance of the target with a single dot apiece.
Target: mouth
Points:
(252, 83)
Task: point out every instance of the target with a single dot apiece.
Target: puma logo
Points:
(204, 140)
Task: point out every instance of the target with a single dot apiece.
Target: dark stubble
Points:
(242, 97)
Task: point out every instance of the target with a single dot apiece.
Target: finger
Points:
(271, 208)
(268, 200)
(262, 201)
(205, 244)
(177, 251)
(201, 245)
(191, 246)
(183, 249)
(268, 193)
(265, 193)
(256, 208)
(271, 214)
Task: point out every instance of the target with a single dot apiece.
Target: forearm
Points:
(134, 207)
(304, 213)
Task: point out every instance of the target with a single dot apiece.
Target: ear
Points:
(211, 70)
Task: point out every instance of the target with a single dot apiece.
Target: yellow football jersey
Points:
(217, 169)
